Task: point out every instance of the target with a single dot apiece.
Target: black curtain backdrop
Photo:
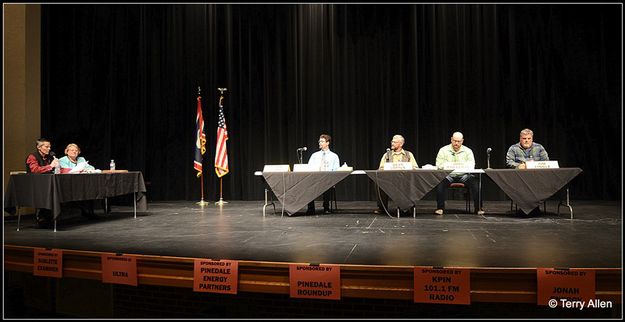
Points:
(122, 81)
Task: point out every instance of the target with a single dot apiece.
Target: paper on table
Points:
(79, 167)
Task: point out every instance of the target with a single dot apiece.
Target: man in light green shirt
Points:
(456, 152)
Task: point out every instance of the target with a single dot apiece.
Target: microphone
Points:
(388, 155)
(488, 157)
(57, 169)
(300, 154)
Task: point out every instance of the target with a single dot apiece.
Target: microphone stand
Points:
(488, 161)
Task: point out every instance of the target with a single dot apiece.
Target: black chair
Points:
(459, 186)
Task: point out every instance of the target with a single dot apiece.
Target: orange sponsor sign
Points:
(48, 262)
(315, 281)
(215, 276)
(442, 285)
(565, 287)
(119, 269)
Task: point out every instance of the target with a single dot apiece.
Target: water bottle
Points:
(57, 169)
(112, 165)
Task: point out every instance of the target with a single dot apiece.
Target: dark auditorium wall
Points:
(121, 81)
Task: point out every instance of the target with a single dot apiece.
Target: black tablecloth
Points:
(296, 189)
(529, 187)
(407, 187)
(50, 190)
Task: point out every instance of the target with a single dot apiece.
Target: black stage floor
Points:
(353, 235)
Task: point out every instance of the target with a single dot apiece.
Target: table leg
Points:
(568, 204)
(478, 207)
(265, 205)
(19, 215)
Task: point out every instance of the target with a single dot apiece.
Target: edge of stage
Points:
(377, 253)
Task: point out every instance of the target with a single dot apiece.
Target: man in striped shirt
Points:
(525, 150)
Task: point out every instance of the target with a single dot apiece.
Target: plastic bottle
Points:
(112, 166)
(57, 169)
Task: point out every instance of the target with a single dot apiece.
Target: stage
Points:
(352, 235)
(376, 253)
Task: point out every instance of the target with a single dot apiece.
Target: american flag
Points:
(200, 138)
(221, 151)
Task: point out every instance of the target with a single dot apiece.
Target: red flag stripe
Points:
(221, 150)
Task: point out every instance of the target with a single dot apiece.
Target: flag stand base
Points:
(202, 203)
(221, 202)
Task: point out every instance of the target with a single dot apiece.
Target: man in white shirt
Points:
(324, 160)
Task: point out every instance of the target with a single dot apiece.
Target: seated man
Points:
(395, 154)
(525, 150)
(324, 160)
(456, 152)
(42, 161)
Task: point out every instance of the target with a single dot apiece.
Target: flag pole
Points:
(221, 201)
(201, 203)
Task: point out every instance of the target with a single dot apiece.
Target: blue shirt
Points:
(66, 163)
(324, 160)
(517, 154)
